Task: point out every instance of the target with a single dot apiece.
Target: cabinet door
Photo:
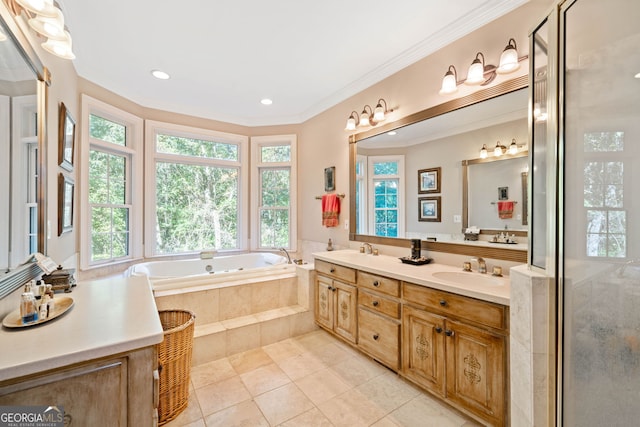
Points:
(324, 302)
(345, 311)
(475, 370)
(423, 355)
(92, 395)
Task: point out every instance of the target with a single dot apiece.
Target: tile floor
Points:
(311, 380)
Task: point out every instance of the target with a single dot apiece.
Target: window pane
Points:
(603, 141)
(197, 208)
(106, 130)
(274, 228)
(196, 148)
(276, 153)
(385, 168)
(275, 187)
(107, 183)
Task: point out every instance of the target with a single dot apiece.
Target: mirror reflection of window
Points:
(386, 196)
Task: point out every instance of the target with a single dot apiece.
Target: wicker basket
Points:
(174, 358)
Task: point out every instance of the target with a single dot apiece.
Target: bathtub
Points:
(176, 274)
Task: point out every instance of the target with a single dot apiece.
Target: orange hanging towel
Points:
(330, 210)
(505, 210)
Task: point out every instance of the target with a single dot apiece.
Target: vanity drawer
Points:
(482, 312)
(379, 337)
(379, 283)
(338, 271)
(379, 304)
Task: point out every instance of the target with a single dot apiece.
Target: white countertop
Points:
(109, 316)
(392, 267)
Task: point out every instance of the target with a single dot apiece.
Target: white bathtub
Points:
(176, 274)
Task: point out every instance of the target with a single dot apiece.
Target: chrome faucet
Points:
(287, 254)
(482, 265)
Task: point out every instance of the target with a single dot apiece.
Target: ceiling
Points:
(225, 56)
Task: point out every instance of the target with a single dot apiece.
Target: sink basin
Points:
(468, 278)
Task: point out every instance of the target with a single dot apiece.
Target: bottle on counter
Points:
(44, 308)
(28, 308)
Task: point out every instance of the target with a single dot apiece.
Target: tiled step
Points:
(216, 340)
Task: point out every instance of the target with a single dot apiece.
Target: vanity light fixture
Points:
(449, 81)
(369, 116)
(481, 73)
(475, 75)
(513, 147)
(483, 151)
(47, 20)
(499, 150)
(509, 59)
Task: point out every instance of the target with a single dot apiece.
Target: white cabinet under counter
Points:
(98, 360)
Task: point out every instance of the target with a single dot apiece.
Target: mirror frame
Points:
(503, 88)
(16, 33)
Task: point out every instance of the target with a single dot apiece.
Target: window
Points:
(606, 217)
(196, 190)
(112, 168)
(274, 199)
(387, 198)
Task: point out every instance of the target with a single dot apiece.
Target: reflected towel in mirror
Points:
(505, 209)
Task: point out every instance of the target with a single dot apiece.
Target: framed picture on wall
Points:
(66, 138)
(429, 209)
(65, 204)
(429, 181)
(330, 178)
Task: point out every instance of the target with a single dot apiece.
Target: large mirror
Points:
(410, 178)
(23, 88)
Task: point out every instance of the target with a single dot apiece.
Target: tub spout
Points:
(287, 254)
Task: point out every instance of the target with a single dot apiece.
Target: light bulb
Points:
(483, 151)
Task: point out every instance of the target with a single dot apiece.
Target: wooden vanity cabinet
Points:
(379, 310)
(336, 300)
(121, 390)
(456, 347)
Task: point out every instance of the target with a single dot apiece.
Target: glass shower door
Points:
(600, 212)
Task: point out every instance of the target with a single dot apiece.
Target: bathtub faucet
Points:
(287, 254)
(208, 254)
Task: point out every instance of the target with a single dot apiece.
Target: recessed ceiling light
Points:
(266, 101)
(160, 74)
(393, 132)
(637, 76)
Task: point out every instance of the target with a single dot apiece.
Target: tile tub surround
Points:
(531, 354)
(310, 380)
(237, 316)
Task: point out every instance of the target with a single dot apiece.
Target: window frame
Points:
(152, 156)
(257, 143)
(132, 151)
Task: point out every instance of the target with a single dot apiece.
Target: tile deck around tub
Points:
(309, 380)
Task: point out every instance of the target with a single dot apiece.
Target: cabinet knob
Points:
(438, 329)
(376, 336)
(443, 302)
(333, 270)
(334, 289)
(375, 303)
(449, 333)
(376, 284)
